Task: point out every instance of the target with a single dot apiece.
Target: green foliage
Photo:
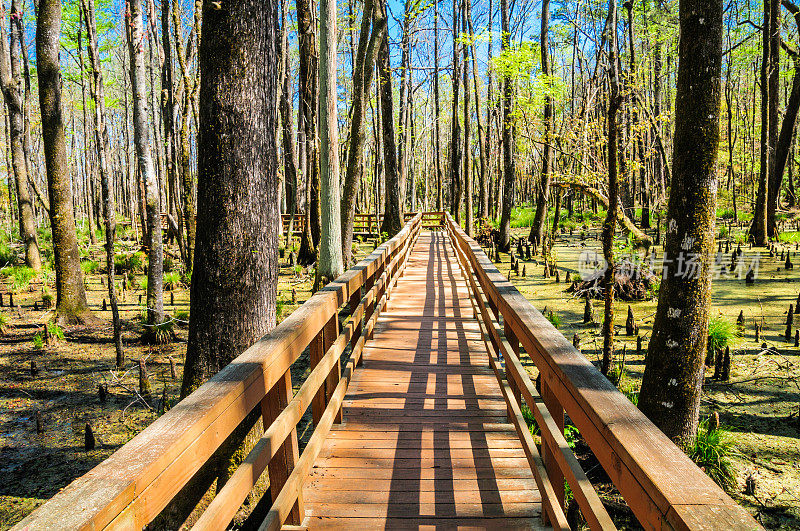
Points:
(554, 318)
(143, 284)
(20, 277)
(530, 419)
(8, 257)
(712, 450)
(182, 315)
(721, 333)
(161, 333)
(172, 280)
(4, 322)
(55, 331)
(89, 266)
(571, 434)
(522, 217)
(38, 341)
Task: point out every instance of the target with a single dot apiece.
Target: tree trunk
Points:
(10, 77)
(455, 127)
(438, 147)
(393, 209)
(141, 139)
(610, 223)
(468, 184)
(673, 375)
(289, 150)
(330, 243)
(307, 116)
(362, 82)
(758, 229)
(543, 196)
(97, 91)
(508, 139)
(71, 305)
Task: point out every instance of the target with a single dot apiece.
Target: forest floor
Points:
(64, 392)
(758, 405)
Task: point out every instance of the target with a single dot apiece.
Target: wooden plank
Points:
(425, 417)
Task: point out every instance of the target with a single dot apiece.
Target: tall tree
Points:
(673, 375)
(287, 136)
(508, 136)
(144, 158)
(393, 206)
(362, 82)
(543, 195)
(97, 90)
(330, 243)
(233, 291)
(307, 125)
(12, 86)
(455, 126)
(71, 305)
(610, 223)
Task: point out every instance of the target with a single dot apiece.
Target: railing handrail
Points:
(662, 486)
(134, 484)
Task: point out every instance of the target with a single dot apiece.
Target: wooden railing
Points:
(363, 224)
(130, 488)
(662, 486)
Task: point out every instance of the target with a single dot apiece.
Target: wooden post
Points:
(369, 309)
(514, 342)
(358, 328)
(288, 454)
(548, 453)
(316, 350)
(329, 335)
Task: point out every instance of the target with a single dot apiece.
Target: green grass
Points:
(19, 277)
(522, 217)
(721, 333)
(712, 450)
(172, 280)
(89, 266)
(554, 318)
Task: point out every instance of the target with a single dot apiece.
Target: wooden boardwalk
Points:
(425, 439)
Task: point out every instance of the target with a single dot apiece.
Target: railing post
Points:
(329, 335)
(548, 456)
(316, 350)
(358, 327)
(511, 337)
(369, 309)
(282, 464)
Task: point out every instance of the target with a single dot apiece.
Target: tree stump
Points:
(524, 271)
(102, 393)
(718, 365)
(588, 311)
(105, 307)
(558, 277)
(568, 278)
(750, 484)
(630, 323)
(576, 341)
(638, 344)
(34, 369)
(750, 278)
(789, 324)
(294, 296)
(89, 441)
(173, 372)
(726, 365)
(788, 265)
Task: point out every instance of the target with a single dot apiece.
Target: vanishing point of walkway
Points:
(425, 439)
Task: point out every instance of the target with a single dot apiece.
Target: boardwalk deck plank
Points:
(425, 441)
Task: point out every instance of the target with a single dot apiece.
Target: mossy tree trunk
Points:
(71, 304)
(673, 375)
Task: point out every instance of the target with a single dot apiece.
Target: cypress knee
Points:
(789, 322)
(630, 323)
(39, 423)
(144, 379)
(576, 341)
(588, 311)
(726, 365)
(740, 321)
(89, 441)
